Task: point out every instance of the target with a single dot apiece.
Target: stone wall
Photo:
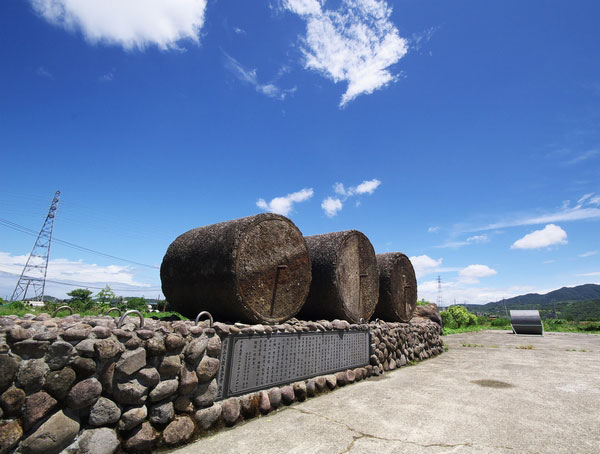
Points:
(81, 385)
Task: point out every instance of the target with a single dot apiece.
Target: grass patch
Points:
(550, 326)
(525, 347)
(457, 319)
(163, 315)
(469, 329)
(564, 326)
(21, 309)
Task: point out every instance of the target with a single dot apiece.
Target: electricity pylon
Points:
(34, 273)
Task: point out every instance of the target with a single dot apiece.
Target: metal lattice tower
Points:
(439, 295)
(34, 272)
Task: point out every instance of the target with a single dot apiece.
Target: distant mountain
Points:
(584, 292)
(566, 299)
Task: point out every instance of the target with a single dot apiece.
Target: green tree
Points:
(138, 304)
(80, 299)
(447, 319)
(106, 295)
(461, 316)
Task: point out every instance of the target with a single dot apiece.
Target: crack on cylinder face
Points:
(234, 270)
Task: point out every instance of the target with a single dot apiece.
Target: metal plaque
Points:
(526, 322)
(258, 361)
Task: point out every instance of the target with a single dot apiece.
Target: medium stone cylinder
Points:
(345, 282)
(254, 269)
(397, 288)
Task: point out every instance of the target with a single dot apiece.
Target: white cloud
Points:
(43, 72)
(475, 239)
(548, 236)
(582, 210)
(366, 187)
(472, 273)
(284, 205)
(588, 254)
(108, 77)
(478, 239)
(452, 244)
(250, 77)
(582, 200)
(331, 206)
(571, 214)
(570, 156)
(239, 31)
(584, 156)
(593, 274)
(355, 44)
(423, 264)
(418, 39)
(339, 189)
(460, 292)
(132, 24)
(62, 271)
(433, 229)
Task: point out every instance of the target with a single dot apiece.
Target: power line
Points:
(84, 284)
(13, 271)
(82, 215)
(28, 231)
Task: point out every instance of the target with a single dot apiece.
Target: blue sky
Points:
(464, 134)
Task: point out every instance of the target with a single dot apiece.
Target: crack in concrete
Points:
(351, 445)
(360, 435)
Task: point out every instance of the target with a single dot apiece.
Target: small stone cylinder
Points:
(345, 281)
(397, 288)
(254, 269)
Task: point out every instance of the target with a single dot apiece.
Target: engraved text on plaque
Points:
(252, 362)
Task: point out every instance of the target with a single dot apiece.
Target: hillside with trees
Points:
(571, 303)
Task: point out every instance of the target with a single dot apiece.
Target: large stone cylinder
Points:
(345, 278)
(254, 269)
(397, 288)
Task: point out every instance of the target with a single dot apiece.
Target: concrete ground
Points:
(518, 394)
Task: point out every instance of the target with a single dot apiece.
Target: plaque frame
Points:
(228, 357)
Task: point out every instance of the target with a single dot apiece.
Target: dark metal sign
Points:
(526, 322)
(252, 362)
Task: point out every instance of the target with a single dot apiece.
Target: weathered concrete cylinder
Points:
(345, 282)
(397, 288)
(254, 269)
